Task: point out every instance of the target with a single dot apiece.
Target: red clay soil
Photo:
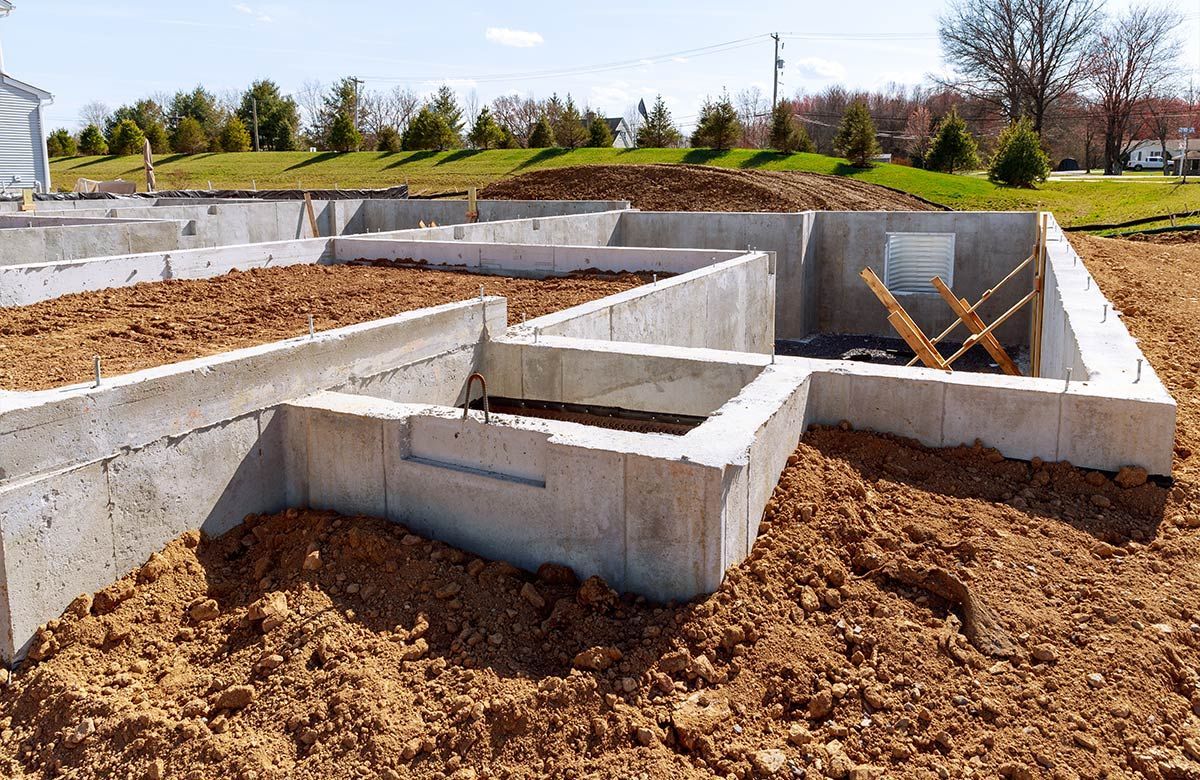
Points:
(52, 343)
(905, 612)
(703, 188)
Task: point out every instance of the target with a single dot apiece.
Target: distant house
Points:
(1142, 152)
(622, 138)
(24, 162)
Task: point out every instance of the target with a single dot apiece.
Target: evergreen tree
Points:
(61, 144)
(388, 139)
(189, 137)
(953, 147)
(787, 135)
(201, 105)
(658, 131)
(719, 127)
(570, 132)
(1019, 159)
(156, 134)
(485, 134)
(508, 140)
(234, 135)
(144, 113)
(855, 139)
(278, 116)
(91, 141)
(126, 138)
(343, 135)
(428, 130)
(542, 136)
(599, 135)
(445, 104)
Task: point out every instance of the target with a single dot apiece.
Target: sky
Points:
(607, 55)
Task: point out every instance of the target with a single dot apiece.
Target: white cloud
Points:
(257, 14)
(518, 39)
(818, 68)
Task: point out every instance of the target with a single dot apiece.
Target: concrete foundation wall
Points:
(987, 246)
(21, 245)
(588, 229)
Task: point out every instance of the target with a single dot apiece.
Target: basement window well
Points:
(912, 259)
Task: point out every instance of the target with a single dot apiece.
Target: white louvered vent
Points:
(912, 259)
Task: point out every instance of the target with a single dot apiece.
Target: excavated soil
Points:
(1171, 237)
(703, 188)
(52, 343)
(906, 612)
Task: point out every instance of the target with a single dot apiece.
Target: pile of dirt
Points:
(1172, 237)
(52, 343)
(704, 188)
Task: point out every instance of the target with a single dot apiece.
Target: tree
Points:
(202, 106)
(445, 104)
(278, 115)
(189, 137)
(94, 113)
(752, 112)
(718, 127)
(156, 134)
(235, 137)
(91, 141)
(144, 113)
(919, 133)
(855, 139)
(485, 133)
(1021, 56)
(542, 136)
(61, 144)
(126, 138)
(599, 135)
(1132, 54)
(429, 130)
(569, 131)
(658, 131)
(343, 135)
(518, 115)
(786, 134)
(1019, 159)
(953, 147)
(387, 139)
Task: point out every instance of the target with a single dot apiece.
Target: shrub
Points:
(719, 127)
(189, 137)
(428, 130)
(343, 135)
(542, 136)
(953, 147)
(127, 138)
(485, 133)
(388, 139)
(855, 139)
(156, 134)
(61, 144)
(1019, 159)
(234, 135)
(91, 141)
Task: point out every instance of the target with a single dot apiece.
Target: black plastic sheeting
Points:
(399, 192)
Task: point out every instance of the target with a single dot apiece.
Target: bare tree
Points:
(311, 99)
(517, 114)
(1022, 56)
(918, 132)
(1132, 54)
(94, 113)
(633, 120)
(471, 107)
(754, 112)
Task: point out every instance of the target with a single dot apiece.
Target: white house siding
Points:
(22, 146)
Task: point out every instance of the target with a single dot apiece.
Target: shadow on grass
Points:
(761, 158)
(318, 158)
(460, 154)
(542, 156)
(413, 157)
(170, 158)
(703, 156)
(98, 161)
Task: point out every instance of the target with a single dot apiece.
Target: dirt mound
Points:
(52, 343)
(1172, 237)
(703, 188)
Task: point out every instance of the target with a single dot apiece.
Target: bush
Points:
(599, 135)
(1019, 159)
(428, 130)
(91, 141)
(542, 136)
(61, 144)
(953, 147)
(855, 139)
(156, 134)
(189, 137)
(788, 135)
(719, 127)
(127, 138)
(234, 135)
(485, 133)
(388, 139)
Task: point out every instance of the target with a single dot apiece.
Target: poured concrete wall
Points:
(589, 229)
(21, 245)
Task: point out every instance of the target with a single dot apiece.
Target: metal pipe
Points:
(483, 389)
(1139, 373)
(1105, 317)
(96, 366)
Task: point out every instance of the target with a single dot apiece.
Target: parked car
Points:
(1145, 160)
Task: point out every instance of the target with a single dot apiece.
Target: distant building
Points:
(24, 162)
(622, 138)
(1142, 153)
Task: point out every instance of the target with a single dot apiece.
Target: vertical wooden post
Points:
(1039, 280)
(472, 206)
(312, 215)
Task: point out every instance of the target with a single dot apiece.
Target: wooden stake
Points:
(1000, 321)
(1039, 281)
(312, 215)
(975, 324)
(904, 325)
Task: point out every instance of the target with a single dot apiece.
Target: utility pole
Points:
(356, 81)
(775, 65)
(254, 109)
(1184, 132)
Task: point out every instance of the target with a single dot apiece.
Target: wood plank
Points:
(902, 323)
(963, 310)
(312, 216)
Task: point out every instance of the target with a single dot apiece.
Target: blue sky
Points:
(492, 48)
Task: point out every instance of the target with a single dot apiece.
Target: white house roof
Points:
(8, 80)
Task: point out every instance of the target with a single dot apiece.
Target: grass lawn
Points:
(1073, 202)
